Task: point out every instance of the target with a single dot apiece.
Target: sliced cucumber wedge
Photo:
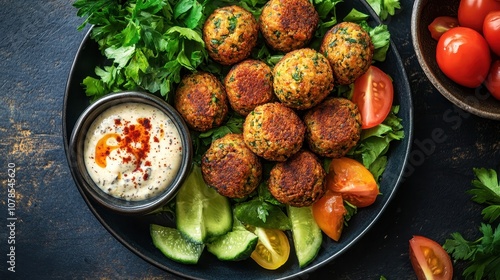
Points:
(307, 236)
(201, 213)
(233, 246)
(174, 246)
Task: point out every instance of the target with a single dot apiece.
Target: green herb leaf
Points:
(147, 43)
(259, 213)
(374, 143)
(356, 16)
(482, 255)
(486, 191)
(384, 8)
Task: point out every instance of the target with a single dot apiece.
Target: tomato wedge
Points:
(429, 260)
(329, 212)
(353, 181)
(272, 249)
(373, 93)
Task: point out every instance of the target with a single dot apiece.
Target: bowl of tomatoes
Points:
(457, 43)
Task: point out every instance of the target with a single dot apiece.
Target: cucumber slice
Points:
(201, 213)
(174, 246)
(307, 236)
(233, 246)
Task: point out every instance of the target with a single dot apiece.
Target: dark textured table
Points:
(57, 237)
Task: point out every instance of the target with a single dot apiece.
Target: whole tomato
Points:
(492, 83)
(464, 56)
(471, 13)
(491, 31)
(440, 25)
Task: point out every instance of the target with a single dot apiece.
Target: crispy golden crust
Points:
(299, 181)
(288, 24)
(333, 127)
(201, 100)
(273, 131)
(302, 79)
(231, 167)
(230, 33)
(249, 84)
(349, 49)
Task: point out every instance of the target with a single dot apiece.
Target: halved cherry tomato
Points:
(429, 260)
(272, 249)
(471, 13)
(464, 56)
(492, 83)
(353, 181)
(440, 25)
(373, 93)
(491, 31)
(329, 212)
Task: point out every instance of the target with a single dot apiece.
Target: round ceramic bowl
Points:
(85, 180)
(477, 101)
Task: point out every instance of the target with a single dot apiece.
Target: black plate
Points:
(133, 232)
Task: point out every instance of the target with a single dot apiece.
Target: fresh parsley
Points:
(487, 191)
(483, 254)
(384, 8)
(147, 43)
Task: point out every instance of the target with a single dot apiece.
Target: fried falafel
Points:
(230, 33)
(201, 100)
(288, 24)
(230, 167)
(333, 127)
(299, 181)
(249, 84)
(302, 79)
(273, 131)
(349, 49)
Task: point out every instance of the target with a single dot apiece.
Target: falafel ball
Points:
(273, 131)
(302, 79)
(230, 33)
(333, 127)
(349, 49)
(230, 167)
(249, 84)
(201, 100)
(299, 181)
(288, 24)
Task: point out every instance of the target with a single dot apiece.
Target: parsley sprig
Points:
(483, 254)
(147, 43)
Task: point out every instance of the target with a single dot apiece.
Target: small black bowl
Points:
(477, 101)
(82, 177)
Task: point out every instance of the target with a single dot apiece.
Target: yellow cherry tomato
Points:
(273, 248)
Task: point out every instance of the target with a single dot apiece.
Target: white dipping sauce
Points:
(133, 151)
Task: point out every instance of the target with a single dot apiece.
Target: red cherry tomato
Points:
(329, 212)
(373, 93)
(440, 25)
(353, 181)
(464, 56)
(491, 31)
(492, 83)
(429, 260)
(471, 13)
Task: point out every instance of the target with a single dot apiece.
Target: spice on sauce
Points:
(133, 151)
